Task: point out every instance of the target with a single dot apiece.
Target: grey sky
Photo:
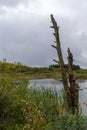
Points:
(26, 36)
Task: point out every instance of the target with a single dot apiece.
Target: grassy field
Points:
(19, 71)
(82, 74)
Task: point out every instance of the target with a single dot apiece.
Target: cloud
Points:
(26, 36)
(12, 2)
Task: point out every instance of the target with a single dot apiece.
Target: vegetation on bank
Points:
(23, 108)
(19, 71)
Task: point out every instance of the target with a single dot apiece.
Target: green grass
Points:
(20, 71)
(23, 108)
(82, 73)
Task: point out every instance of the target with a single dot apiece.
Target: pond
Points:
(58, 86)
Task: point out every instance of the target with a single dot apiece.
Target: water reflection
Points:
(46, 83)
(83, 95)
(57, 85)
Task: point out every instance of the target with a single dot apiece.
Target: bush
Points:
(12, 96)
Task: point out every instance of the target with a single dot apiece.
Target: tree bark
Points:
(71, 93)
(72, 83)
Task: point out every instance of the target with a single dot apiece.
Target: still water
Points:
(58, 86)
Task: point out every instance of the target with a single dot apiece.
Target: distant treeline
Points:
(75, 67)
(19, 67)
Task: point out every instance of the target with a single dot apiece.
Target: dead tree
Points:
(69, 82)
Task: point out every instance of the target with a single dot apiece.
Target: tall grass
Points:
(23, 108)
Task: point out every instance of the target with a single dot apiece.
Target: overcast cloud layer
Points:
(26, 36)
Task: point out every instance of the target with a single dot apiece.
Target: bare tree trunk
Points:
(71, 93)
(72, 83)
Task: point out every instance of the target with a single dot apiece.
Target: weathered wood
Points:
(61, 61)
(73, 85)
(54, 46)
(56, 61)
(70, 87)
